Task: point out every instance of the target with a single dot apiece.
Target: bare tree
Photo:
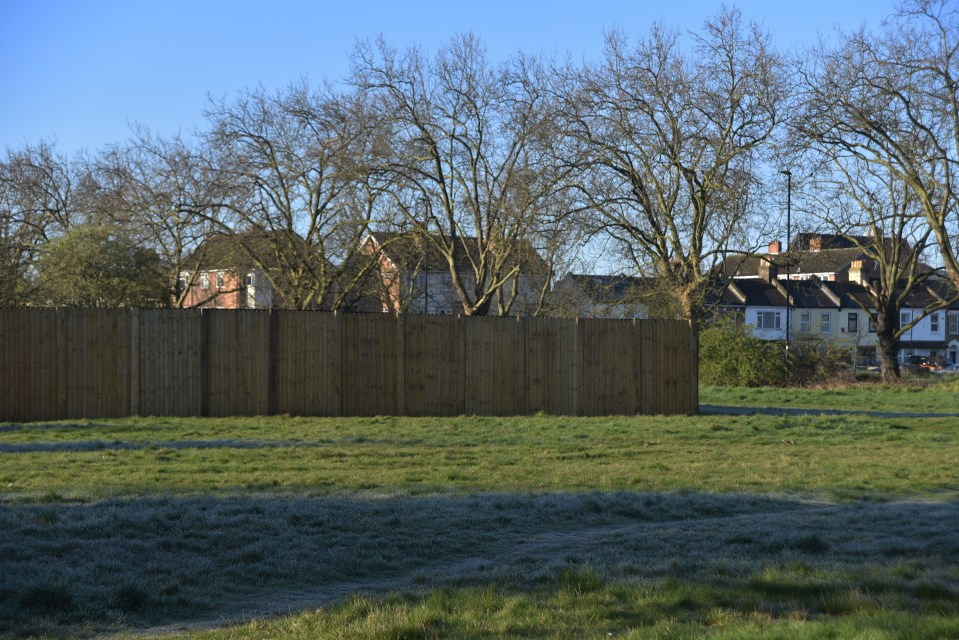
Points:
(880, 215)
(669, 142)
(881, 111)
(469, 161)
(37, 203)
(164, 193)
(298, 166)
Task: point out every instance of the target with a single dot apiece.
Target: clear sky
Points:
(80, 72)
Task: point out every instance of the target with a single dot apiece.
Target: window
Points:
(768, 320)
(852, 323)
(953, 322)
(872, 326)
(825, 323)
(805, 321)
(204, 280)
(934, 323)
(219, 279)
(904, 318)
(250, 280)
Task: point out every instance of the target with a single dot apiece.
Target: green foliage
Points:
(98, 267)
(730, 355)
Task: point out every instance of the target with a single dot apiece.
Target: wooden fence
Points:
(71, 363)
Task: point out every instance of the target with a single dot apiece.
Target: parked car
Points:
(919, 363)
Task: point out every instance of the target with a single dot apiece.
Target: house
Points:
(222, 273)
(834, 311)
(601, 296)
(413, 276)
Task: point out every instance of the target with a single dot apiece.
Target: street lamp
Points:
(789, 197)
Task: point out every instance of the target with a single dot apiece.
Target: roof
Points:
(804, 241)
(828, 261)
(608, 289)
(235, 251)
(405, 249)
(808, 294)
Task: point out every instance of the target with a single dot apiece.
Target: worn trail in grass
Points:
(182, 560)
(533, 526)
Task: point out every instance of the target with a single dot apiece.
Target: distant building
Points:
(414, 277)
(601, 296)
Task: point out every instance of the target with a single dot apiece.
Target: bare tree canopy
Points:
(891, 99)
(37, 203)
(296, 164)
(880, 125)
(165, 194)
(469, 165)
(669, 139)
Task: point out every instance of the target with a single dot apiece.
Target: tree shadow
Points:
(83, 569)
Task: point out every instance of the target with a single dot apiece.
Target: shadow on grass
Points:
(116, 565)
(120, 445)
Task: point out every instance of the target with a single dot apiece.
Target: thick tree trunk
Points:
(888, 346)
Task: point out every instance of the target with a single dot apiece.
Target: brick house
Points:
(223, 274)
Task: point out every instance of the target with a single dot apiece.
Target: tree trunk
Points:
(888, 346)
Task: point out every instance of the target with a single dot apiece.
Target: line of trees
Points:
(665, 152)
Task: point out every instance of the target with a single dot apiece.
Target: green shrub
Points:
(729, 355)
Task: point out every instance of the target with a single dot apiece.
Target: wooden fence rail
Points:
(73, 363)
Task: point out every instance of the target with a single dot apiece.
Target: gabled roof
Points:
(808, 294)
(411, 251)
(826, 241)
(611, 289)
(235, 251)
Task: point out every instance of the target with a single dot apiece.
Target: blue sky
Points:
(81, 72)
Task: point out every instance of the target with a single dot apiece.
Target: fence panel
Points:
(496, 368)
(106, 363)
(169, 380)
(433, 366)
(307, 364)
(239, 362)
(549, 365)
(369, 364)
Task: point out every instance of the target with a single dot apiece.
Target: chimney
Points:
(815, 243)
(858, 272)
(775, 247)
(768, 272)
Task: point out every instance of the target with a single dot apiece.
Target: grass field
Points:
(921, 393)
(806, 526)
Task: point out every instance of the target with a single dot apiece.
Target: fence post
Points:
(401, 364)
(63, 404)
(204, 363)
(694, 367)
(273, 357)
(135, 362)
(577, 348)
(337, 358)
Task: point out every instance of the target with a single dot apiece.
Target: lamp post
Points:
(789, 197)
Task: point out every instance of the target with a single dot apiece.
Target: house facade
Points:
(222, 275)
(827, 297)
